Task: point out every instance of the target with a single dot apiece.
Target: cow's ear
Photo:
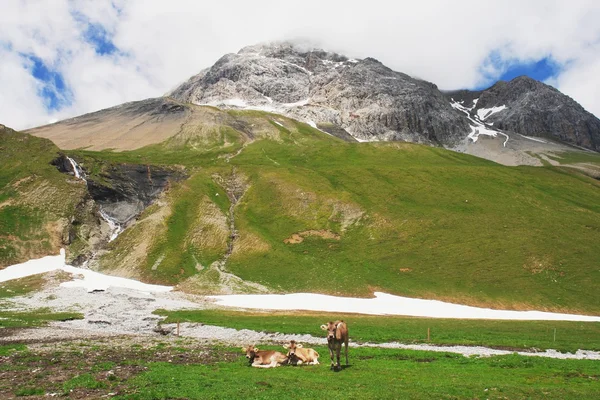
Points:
(324, 327)
(299, 345)
(255, 349)
(244, 349)
(286, 346)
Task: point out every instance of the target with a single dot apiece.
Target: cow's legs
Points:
(338, 349)
(331, 356)
(346, 352)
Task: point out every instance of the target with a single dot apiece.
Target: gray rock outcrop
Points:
(533, 108)
(362, 97)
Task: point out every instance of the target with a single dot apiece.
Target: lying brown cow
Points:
(298, 355)
(337, 333)
(264, 358)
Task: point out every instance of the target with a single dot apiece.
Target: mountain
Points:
(244, 198)
(363, 97)
(257, 202)
(531, 108)
(365, 100)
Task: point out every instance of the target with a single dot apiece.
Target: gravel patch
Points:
(127, 314)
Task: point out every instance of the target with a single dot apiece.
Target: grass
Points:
(575, 157)
(184, 370)
(22, 286)
(524, 335)
(414, 220)
(30, 207)
(86, 381)
(376, 374)
(39, 317)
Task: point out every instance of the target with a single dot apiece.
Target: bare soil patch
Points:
(107, 363)
(322, 233)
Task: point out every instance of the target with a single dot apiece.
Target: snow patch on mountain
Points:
(478, 128)
(484, 113)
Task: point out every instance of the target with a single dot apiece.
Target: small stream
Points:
(115, 227)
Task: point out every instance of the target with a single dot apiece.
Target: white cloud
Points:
(163, 43)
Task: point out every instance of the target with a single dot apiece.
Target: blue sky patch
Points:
(541, 70)
(100, 39)
(54, 91)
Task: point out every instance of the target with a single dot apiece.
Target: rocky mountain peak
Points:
(364, 98)
(532, 108)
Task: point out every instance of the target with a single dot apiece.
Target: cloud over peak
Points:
(61, 58)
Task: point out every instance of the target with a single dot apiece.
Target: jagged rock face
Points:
(536, 109)
(125, 190)
(364, 97)
(130, 189)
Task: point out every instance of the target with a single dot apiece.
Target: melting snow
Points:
(85, 278)
(296, 104)
(484, 113)
(381, 304)
(533, 138)
(386, 304)
(479, 128)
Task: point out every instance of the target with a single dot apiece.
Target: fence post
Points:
(428, 336)
(177, 328)
(555, 334)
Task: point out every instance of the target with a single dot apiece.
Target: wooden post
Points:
(177, 328)
(428, 334)
(555, 334)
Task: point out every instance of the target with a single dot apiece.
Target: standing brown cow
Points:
(264, 358)
(337, 333)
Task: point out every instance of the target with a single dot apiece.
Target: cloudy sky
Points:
(60, 58)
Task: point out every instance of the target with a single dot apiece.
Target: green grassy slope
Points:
(181, 370)
(36, 200)
(317, 214)
(514, 335)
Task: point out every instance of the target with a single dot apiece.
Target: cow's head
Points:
(332, 330)
(250, 352)
(291, 348)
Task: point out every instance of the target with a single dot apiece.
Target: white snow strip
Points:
(278, 123)
(296, 104)
(312, 123)
(235, 102)
(533, 138)
(505, 135)
(475, 102)
(386, 304)
(85, 278)
(302, 68)
(484, 113)
(365, 140)
(479, 128)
